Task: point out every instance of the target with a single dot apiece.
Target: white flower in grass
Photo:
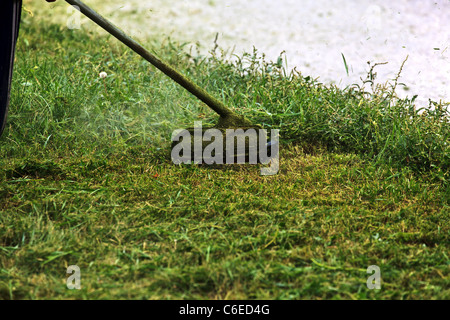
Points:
(103, 75)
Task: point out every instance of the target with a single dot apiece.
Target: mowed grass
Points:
(86, 179)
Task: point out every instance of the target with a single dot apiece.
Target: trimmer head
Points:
(215, 145)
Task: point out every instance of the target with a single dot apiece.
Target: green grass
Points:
(86, 179)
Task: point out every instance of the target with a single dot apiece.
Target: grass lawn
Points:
(86, 179)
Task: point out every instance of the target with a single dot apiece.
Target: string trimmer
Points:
(227, 118)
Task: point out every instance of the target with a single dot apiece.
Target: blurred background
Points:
(315, 34)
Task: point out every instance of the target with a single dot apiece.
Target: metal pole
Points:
(186, 83)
